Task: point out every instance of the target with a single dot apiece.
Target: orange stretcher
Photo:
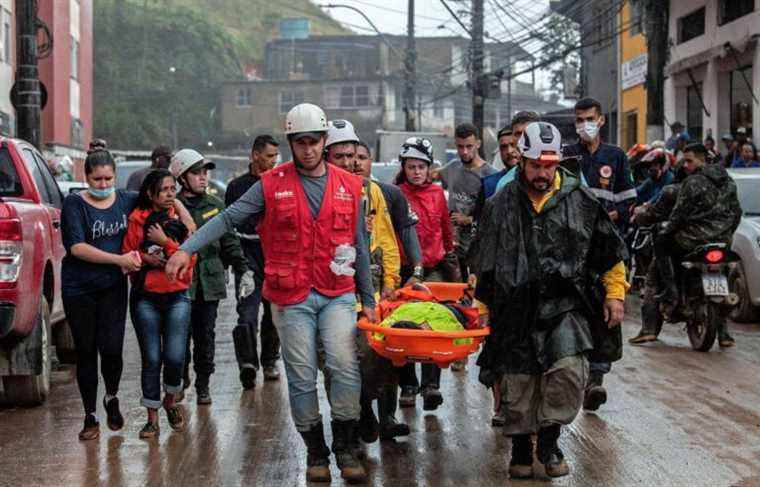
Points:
(401, 345)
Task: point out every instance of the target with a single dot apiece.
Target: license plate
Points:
(715, 284)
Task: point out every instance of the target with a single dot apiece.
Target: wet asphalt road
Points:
(675, 417)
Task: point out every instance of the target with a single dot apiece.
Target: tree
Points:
(560, 36)
(136, 92)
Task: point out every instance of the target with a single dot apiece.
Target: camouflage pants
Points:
(650, 308)
(530, 402)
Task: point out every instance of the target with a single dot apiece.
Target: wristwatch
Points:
(418, 272)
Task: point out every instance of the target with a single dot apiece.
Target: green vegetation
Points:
(206, 42)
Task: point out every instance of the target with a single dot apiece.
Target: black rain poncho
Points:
(540, 276)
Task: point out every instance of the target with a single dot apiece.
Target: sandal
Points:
(150, 430)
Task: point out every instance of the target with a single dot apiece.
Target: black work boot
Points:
(548, 451)
(724, 339)
(345, 434)
(595, 394)
(248, 376)
(368, 425)
(521, 464)
(408, 397)
(431, 398)
(318, 456)
(386, 406)
(202, 394)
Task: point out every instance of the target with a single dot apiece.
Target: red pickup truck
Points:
(31, 251)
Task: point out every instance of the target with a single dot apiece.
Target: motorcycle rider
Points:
(706, 211)
(659, 176)
(550, 268)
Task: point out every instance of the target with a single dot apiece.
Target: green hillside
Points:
(160, 63)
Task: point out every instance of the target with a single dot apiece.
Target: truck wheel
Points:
(32, 390)
(744, 312)
(64, 343)
(703, 328)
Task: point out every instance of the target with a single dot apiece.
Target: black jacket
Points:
(540, 276)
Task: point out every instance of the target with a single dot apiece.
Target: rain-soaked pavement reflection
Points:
(675, 418)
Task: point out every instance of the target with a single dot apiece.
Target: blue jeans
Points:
(334, 320)
(161, 323)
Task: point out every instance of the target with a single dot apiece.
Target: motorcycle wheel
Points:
(703, 327)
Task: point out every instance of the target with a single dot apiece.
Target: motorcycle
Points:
(640, 243)
(704, 279)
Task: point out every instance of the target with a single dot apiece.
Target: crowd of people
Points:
(317, 242)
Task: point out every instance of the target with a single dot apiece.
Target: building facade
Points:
(66, 73)
(713, 74)
(632, 50)
(361, 78)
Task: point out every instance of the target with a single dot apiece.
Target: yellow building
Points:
(633, 70)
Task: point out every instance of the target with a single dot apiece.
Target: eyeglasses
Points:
(421, 144)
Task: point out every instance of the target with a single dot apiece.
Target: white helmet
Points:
(541, 141)
(340, 131)
(185, 159)
(305, 120)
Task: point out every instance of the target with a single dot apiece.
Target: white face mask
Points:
(588, 130)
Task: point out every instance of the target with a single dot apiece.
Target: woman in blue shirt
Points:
(94, 284)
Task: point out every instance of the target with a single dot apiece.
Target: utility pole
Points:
(27, 75)
(410, 75)
(656, 29)
(476, 52)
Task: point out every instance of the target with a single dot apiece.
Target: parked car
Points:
(68, 187)
(31, 251)
(747, 245)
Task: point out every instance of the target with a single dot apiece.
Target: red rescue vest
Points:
(297, 247)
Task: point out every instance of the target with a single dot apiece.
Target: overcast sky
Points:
(432, 18)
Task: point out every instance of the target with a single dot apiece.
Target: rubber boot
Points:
(548, 451)
(318, 455)
(368, 425)
(386, 406)
(521, 463)
(595, 394)
(345, 434)
(650, 316)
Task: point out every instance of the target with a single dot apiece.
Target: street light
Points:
(173, 120)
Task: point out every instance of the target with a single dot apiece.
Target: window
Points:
(631, 129)
(77, 129)
(730, 10)
(39, 180)
(694, 111)
(10, 184)
(51, 186)
(331, 97)
(741, 99)
(691, 26)
(244, 97)
(361, 96)
(289, 99)
(74, 58)
(7, 36)
(637, 18)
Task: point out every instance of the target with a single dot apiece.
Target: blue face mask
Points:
(101, 194)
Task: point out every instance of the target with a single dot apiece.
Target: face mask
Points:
(101, 194)
(588, 130)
